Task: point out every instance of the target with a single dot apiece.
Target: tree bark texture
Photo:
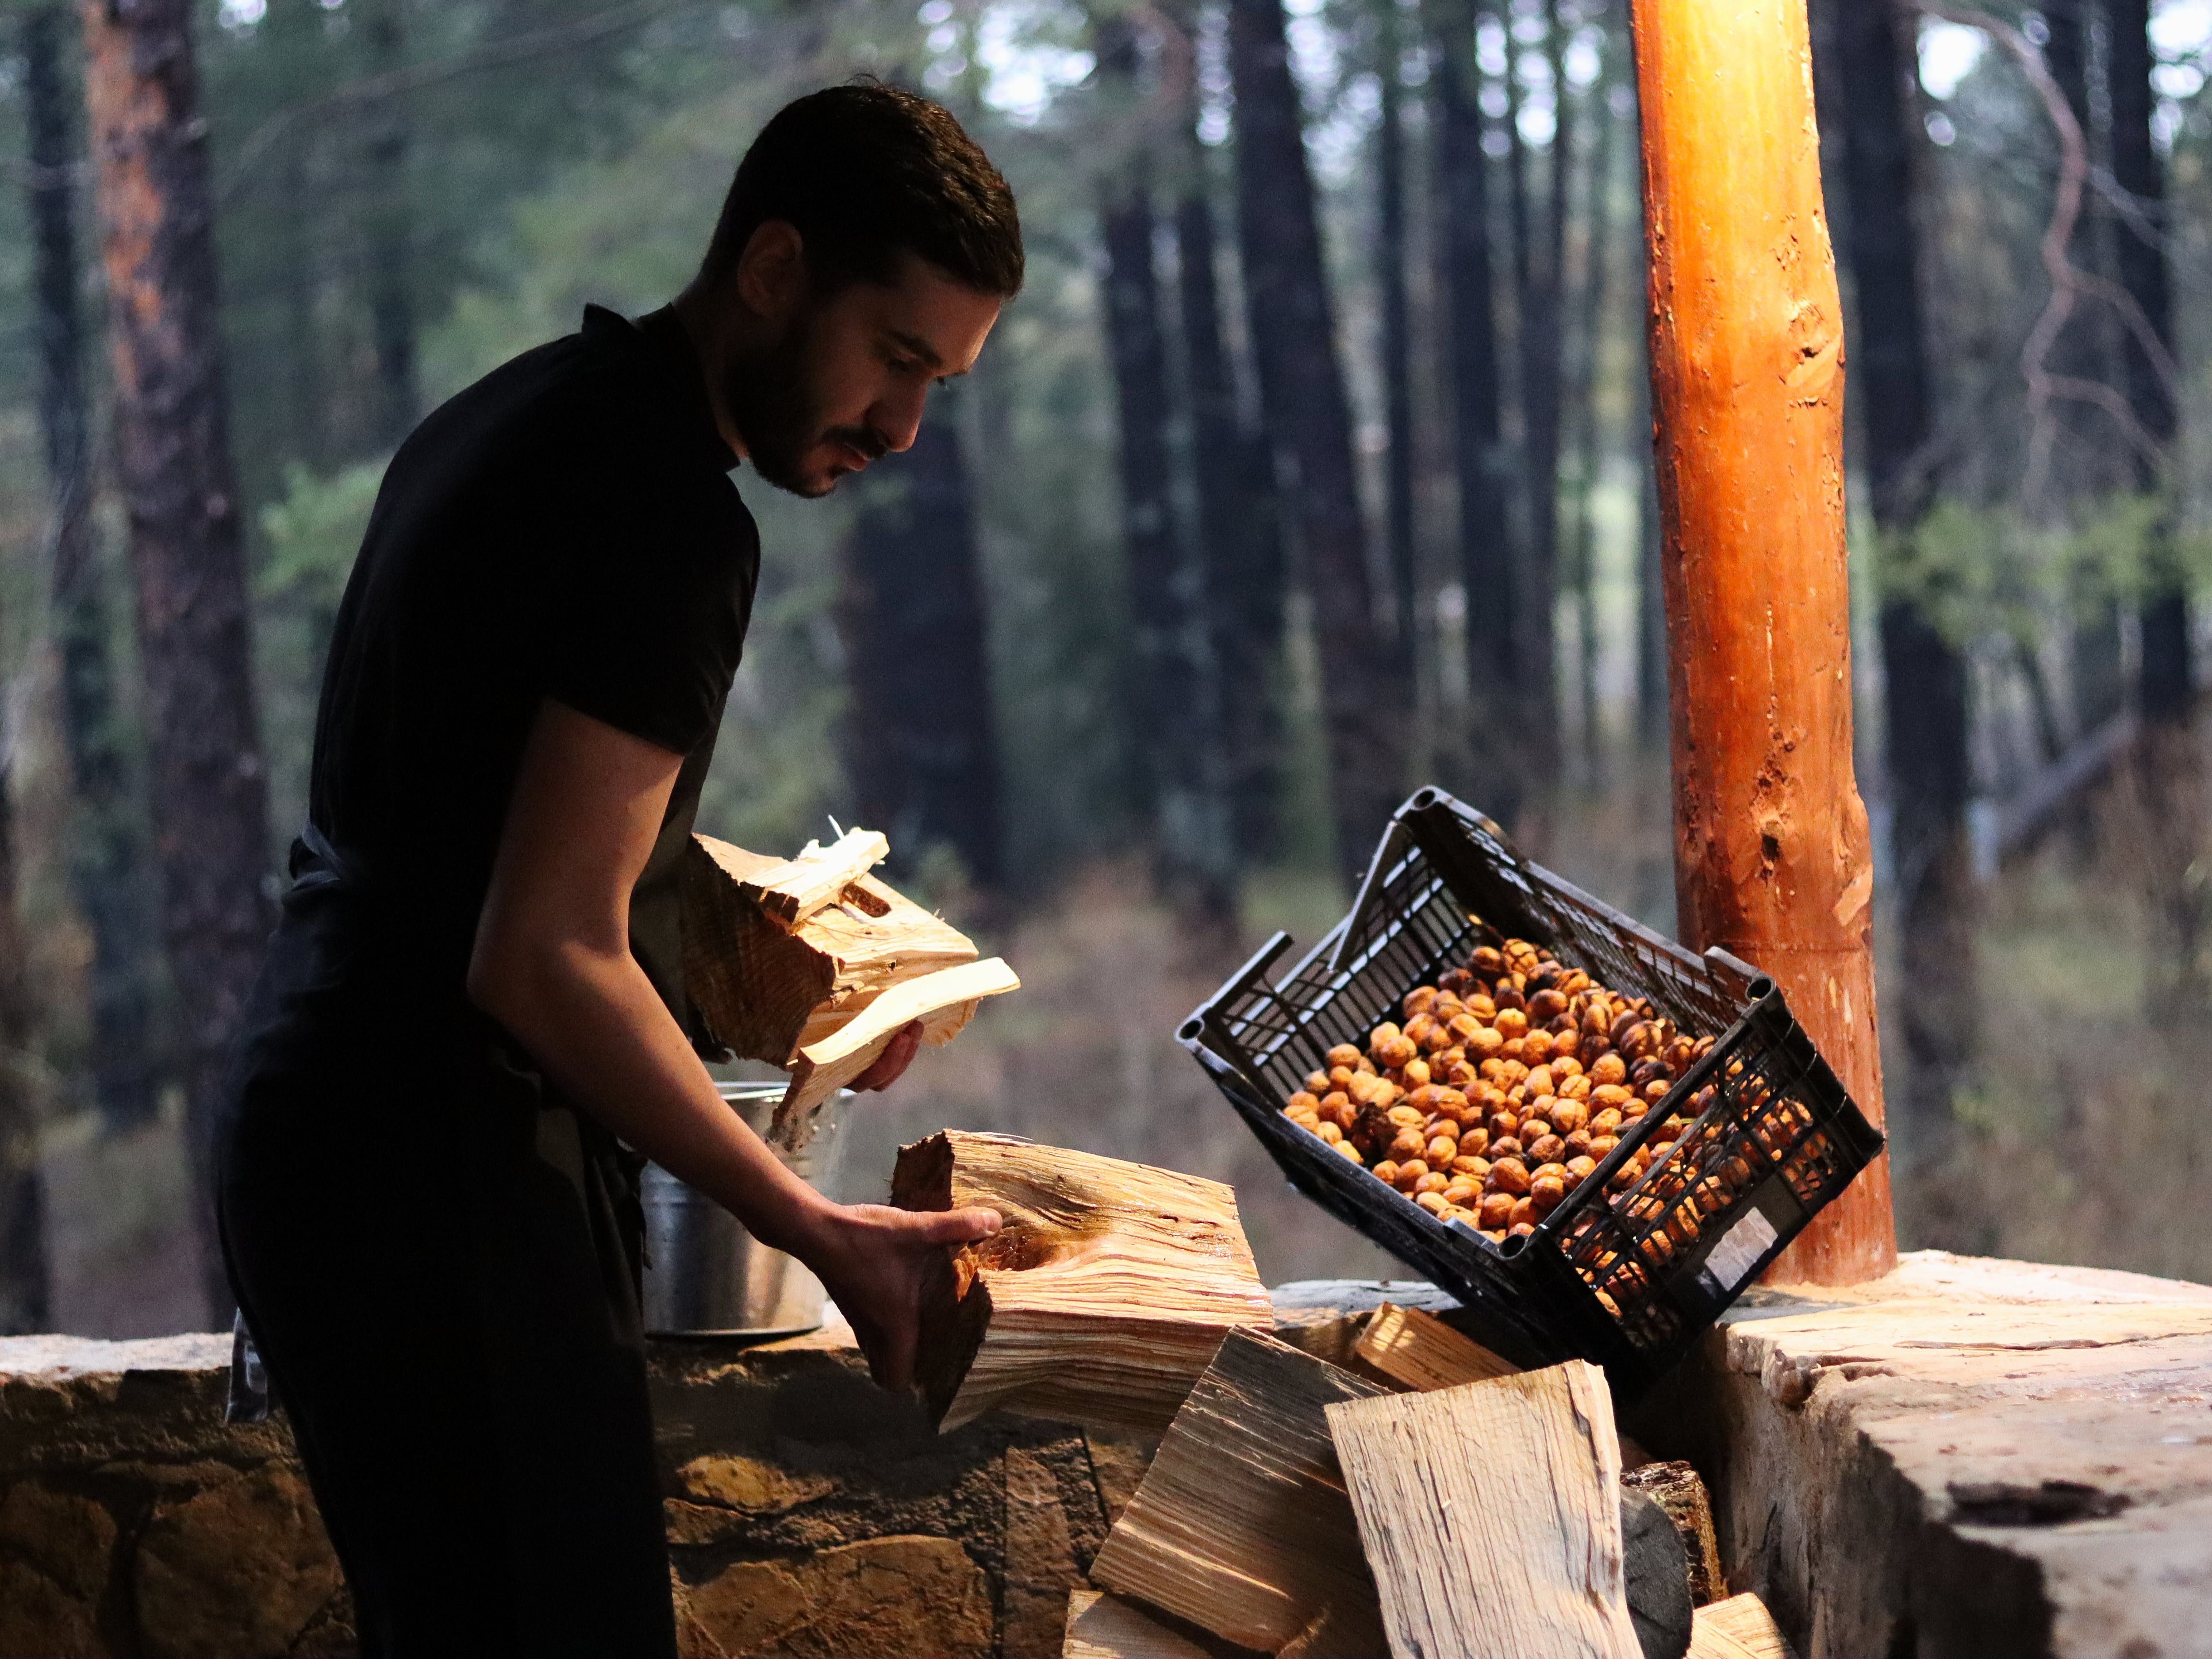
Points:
(1302, 388)
(107, 854)
(1928, 713)
(1487, 560)
(922, 747)
(1239, 531)
(1390, 270)
(1170, 700)
(1772, 858)
(208, 793)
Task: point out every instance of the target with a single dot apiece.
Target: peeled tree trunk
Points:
(1773, 857)
(1363, 691)
(207, 793)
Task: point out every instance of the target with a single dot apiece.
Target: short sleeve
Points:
(649, 588)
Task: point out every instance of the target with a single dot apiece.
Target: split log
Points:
(789, 892)
(1656, 1579)
(943, 1002)
(1738, 1628)
(1491, 1516)
(1241, 1525)
(1100, 1300)
(1102, 1626)
(1677, 1489)
(765, 994)
(1420, 1351)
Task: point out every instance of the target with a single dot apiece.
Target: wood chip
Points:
(1491, 1516)
(1100, 1300)
(1420, 1351)
(1241, 1525)
(1739, 1628)
(1102, 1626)
(789, 892)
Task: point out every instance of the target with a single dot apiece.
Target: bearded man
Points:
(473, 1006)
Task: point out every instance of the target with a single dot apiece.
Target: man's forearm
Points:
(595, 1023)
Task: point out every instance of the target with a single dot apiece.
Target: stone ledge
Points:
(1967, 1457)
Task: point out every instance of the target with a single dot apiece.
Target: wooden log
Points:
(1420, 1351)
(1739, 1628)
(764, 993)
(943, 1002)
(1773, 857)
(1677, 1489)
(1491, 1516)
(1100, 1300)
(1241, 1525)
(1103, 1626)
(789, 892)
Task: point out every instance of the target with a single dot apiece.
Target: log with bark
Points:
(1678, 1489)
(1241, 1526)
(812, 964)
(1491, 1516)
(1103, 1297)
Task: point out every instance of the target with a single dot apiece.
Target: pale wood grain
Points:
(1491, 1516)
(789, 892)
(1738, 1628)
(1100, 1300)
(1241, 1525)
(1420, 1351)
(943, 1002)
(1102, 1626)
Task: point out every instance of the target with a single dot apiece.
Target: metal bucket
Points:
(708, 1276)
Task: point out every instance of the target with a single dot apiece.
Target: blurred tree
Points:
(1171, 698)
(1597, 236)
(1239, 528)
(1540, 268)
(1390, 273)
(180, 493)
(921, 748)
(1927, 728)
(107, 850)
(1487, 561)
(25, 1288)
(1293, 329)
(387, 226)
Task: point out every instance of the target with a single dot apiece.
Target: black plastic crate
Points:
(1773, 1135)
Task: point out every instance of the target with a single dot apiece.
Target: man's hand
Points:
(891, 1065)
(874, 1260)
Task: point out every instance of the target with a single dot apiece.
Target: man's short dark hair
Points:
(863, 171)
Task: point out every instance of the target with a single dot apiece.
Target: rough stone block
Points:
(236, 1573)
(890, 1598)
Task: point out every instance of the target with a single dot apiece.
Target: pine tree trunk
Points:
(106, 853)
(1170, 701)
(388, 224)
(1488, 564)
(922, 743)
(1240, 533)
(1542, 324)
(208, 793)
(1927, 703)
(1597, 230)
(1294, 335)
(1390, 268)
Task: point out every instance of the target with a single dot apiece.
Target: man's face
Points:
(842, 379)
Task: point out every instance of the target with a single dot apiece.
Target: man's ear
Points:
(772, 270)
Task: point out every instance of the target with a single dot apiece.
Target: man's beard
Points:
(773, 404)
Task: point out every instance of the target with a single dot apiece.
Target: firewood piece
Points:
(1655, 1575)
(1102, 1626)
(943, 1002)
(1740, 1628)
(764, 993)
(1490, 1515)
(789, 892)
(1241, 1525)
(1675, 1487)
(1100, 1300)
(1420, 1351)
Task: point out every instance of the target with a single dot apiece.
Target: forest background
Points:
(1312, 464)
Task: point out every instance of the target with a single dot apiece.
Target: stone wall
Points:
(808, 1512)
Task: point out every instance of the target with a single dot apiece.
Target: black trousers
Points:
(436, 1262)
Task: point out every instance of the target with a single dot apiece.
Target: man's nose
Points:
(899, 418)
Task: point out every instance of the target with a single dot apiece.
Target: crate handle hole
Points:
(1189, 1029)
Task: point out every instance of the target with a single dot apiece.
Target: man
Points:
(474, 996)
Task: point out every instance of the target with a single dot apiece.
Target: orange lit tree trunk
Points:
(209, 799)
(1772, 853)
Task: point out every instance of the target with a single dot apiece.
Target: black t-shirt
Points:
(564, 528)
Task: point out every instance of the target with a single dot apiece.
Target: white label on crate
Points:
(1731, 1261)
